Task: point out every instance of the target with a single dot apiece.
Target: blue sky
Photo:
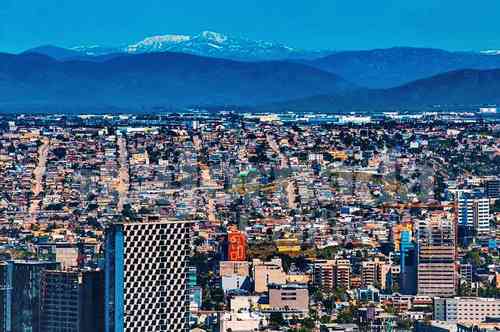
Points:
(320, 24)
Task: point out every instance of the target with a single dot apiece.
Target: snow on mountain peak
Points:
(165, 39)
(491, 52)
(205, 43)
(214, 36)
(156, 42)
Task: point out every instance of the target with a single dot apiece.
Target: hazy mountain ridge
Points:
(457, 88)
(172, 79)
(386, 68)
(378, 68)
(179, 79)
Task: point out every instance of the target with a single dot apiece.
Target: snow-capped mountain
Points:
(156, 43)
(207, 43)
(96, 50)
(491, 52)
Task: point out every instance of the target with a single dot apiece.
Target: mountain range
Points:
(172, 79)
(386, 68)
(212, 69)
(463, 88)
(206, 43)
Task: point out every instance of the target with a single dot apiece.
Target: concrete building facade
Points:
(436, 269)
(146, 272)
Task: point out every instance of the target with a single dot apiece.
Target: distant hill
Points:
(169, 79)
(456, 88)
(385, 68)
(55, 52)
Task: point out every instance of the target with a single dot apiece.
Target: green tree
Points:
(276, 319)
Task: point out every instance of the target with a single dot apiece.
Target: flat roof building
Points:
(146, 276)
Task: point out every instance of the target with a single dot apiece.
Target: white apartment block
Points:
(465, 310)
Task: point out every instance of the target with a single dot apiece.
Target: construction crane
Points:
(420, 205)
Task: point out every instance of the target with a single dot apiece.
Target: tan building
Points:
(331, 274)
(234, 268)
(374, 273)
(291, 297)
(343, 274)
(436, 270)
(266, 273)
(298, 278)
(67, 256)
(242, 322)
(240, 303)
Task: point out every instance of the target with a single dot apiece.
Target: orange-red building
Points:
(236, 246)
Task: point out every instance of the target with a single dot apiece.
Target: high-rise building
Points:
(323, 275)
(5, 297)
(466, 273)
(145, 276)
(492, 188)
(482, 216)
(436, 269)
(343, 274)
(465, 209)
(408, 264)
(21, 294)
(72, 301)
(236, 246)
(396, 231)
(374, 273)
(332, 274)
(232, 268)
(474, 212)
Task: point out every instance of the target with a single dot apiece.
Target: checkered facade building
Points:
(146, 271)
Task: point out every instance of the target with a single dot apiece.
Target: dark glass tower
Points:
(408, 264)
(72, 301)
(22, 294)
(5, 296)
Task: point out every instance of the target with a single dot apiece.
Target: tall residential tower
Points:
(436, 268)
(145, 276)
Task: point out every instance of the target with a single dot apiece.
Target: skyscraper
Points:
(474, 212)
(21, 294)
(408, 264)
(492, 188)
(72, 301)
(145, 276)
(436, 268)
(5, 297)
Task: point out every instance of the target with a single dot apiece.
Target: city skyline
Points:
(237, 166)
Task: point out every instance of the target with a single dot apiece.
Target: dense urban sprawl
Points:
(250, 222)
